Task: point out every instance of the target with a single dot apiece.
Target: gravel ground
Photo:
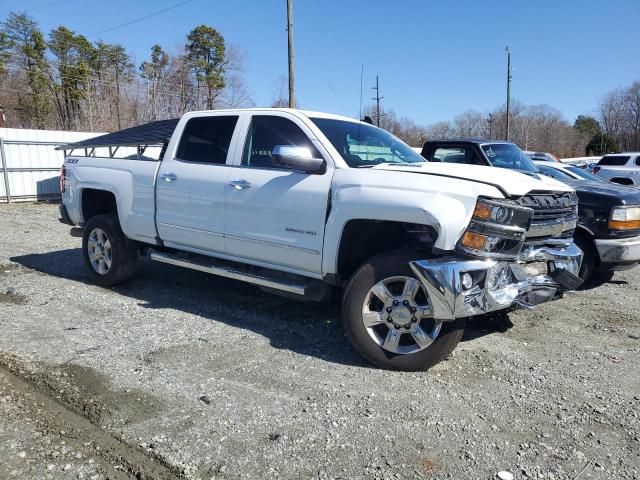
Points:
(178, 374)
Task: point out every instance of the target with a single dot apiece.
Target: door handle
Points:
(168, 177)
(240, 184)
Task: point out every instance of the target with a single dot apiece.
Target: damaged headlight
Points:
(497, 229)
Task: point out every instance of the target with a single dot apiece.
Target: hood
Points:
(512, 183)
(600, 190)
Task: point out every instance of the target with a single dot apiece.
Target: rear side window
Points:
(207, 139)
(267, 131)
(465, 155)
(612, 161)
(638, 160)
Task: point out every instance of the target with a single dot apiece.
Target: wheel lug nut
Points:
(389, 309)
(413, 309)
(395, 302)
(389, 319)
(396, 326)
(414, 319)
(408, 327)
(406, 303)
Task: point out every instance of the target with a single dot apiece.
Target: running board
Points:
(294, 284)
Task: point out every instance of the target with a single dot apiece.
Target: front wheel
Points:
(110, 257)
(387, 316)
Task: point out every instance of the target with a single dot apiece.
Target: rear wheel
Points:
(387, 316)
(110, 257)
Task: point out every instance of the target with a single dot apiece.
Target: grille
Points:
(554, 215)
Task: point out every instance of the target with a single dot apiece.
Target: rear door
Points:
(276, 215)
(191, 183)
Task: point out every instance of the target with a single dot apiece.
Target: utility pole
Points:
(490, 122)
(377, 98)
(292, 98)
(508, 89)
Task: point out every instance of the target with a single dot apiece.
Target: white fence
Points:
(30, 163)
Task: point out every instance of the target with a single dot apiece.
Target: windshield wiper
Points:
(404, 164)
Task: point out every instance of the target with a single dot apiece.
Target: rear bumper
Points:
(619, 250)
(498, 285)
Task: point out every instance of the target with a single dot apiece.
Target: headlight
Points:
(624, 218)
(502, 213)
(497, 229)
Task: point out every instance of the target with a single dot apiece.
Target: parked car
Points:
(304, 203)
(622, 168)
(607, 231)
(542, 156)
(609, 215)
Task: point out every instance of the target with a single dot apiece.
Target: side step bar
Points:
(290, 283)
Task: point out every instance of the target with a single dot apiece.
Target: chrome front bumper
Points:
(619, 249)
(497, 285)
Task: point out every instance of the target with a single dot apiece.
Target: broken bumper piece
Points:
(460, 287)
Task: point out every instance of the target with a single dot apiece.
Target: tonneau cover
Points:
(153, 133)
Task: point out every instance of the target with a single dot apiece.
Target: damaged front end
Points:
(460, 288)
(510, 256)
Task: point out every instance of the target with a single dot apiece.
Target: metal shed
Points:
(29, 162)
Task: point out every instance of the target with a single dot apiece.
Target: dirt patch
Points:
(12, 299)
(118, 460)
(88, 392)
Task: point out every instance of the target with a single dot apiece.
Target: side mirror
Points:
(296, 158)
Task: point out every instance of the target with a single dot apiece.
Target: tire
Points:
(118, 255)
(589, 258)
(366, 340)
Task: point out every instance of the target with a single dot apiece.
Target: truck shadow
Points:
(307, 328)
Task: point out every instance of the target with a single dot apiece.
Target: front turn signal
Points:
(474, 240)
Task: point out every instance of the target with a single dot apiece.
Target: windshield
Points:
(508, 155)
(363, 145)
(582, 173)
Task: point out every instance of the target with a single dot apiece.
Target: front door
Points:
(191, 184)
(276, 215)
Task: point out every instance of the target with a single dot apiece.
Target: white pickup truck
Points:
(306, 204)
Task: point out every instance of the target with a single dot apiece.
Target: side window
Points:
(464, 155)
(638, 160)
(207, 139)
(267, 131)
(449, 155)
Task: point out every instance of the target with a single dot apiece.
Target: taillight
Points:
(596, 169)
(63, 174)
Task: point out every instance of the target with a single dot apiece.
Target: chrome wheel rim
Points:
(398, 317)
(99, 250)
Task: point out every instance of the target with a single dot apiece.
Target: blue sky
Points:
(435, 59)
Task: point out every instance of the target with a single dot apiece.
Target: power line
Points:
(140, 19)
